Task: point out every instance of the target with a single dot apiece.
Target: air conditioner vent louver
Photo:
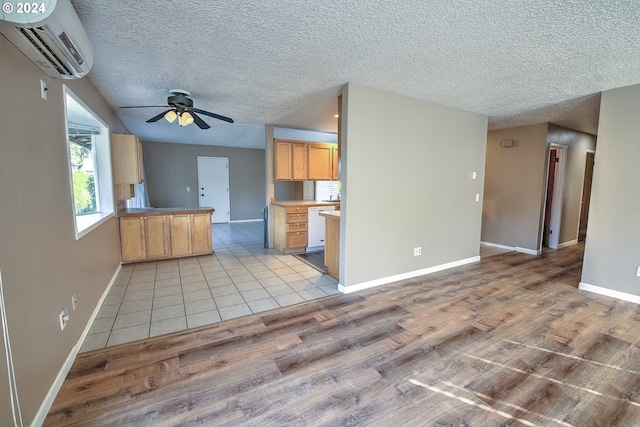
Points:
(38, 42)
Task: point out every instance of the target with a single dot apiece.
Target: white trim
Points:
(40, 416)
(247, 220)
(610, 293)
(569, 243)
(528, 251)
(404, 276)
(496, 245)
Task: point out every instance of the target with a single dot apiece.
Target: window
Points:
(327, 190)
(89, 157)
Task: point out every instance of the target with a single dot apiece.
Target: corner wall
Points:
(612, 252)
(42, 263)
(407, 182)
(514, 187)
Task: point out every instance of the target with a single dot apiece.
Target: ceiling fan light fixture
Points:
(171, 116)
(185, 119)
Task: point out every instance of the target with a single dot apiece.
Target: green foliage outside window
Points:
(84, 188)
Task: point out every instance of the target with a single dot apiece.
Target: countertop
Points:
(331, 214)
(162, 211)
(286, 203)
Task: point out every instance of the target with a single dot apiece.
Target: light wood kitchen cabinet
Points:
(335, 159)
(144, 238)
(320, 162)
(127, 164)
(190, 234)
(290, 228)
(290, 160)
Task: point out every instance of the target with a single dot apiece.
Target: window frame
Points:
(85, 223)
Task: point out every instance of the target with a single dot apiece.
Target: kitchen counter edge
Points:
(163, 211)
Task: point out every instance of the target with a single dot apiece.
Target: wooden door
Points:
(320, 159)
(180, 235)
(586, 196)
(553, 158)
(156, 236)
(283, 160)
(201, 234)
(132, 239)
(300, 165)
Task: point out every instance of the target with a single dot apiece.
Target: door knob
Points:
(202, 195)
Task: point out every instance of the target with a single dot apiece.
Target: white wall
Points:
(612, 250)
(406, 182)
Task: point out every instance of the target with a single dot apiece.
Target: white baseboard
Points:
(247, 220)
(610, 293)
(40, 416)
(404, 276)
(528, 251)
(496, 245)
(569, 243)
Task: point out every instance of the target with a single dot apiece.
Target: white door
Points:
(213, 186)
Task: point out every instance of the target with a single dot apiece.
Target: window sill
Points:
(86, 223)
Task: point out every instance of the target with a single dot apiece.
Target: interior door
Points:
(586, 196)
(213, 186)
(551, 175)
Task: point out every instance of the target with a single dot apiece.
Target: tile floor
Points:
(240, 278)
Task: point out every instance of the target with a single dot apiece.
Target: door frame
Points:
(582, 190)
(228, 214)
(555, 221)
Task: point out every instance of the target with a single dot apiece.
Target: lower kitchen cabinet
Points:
(147, 235)
(144, 238)
(190, 234)
(290, 228)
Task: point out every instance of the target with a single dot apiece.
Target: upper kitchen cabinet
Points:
(291, 163)
(127, 164)
(304, 161)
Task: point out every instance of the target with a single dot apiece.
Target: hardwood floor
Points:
(507, 341)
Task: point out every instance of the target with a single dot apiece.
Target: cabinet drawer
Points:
(296, 209)
(296, 217)
(296, 226)
(296, 240)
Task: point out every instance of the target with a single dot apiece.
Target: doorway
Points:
(213, 186)
(586, 196)
(554, 197)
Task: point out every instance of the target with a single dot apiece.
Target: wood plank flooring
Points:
(506, 341)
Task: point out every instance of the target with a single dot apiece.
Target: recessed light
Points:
(336, 115)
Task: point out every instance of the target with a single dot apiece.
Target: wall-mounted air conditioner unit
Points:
(50, 34)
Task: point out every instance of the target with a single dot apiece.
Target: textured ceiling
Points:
(283, 61)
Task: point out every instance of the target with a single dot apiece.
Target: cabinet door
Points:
(156, 237)
(296, 240)
(300, 162)
(132, 239)
(335, 164)
(180, 235)
(201, 233)
(320, 159)
(127, 159)
(283, 160)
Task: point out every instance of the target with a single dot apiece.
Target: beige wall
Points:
(171, 168)
(514, 187)
(406, 182)
(41, 262)
(612, 251)
(577, 144)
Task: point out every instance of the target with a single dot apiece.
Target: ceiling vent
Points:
(51, 36)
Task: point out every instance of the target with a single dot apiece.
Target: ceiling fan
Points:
(182, 110)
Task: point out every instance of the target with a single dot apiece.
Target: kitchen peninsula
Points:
(161, 233)
(332, 243)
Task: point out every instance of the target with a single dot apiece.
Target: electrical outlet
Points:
(188, 189)
(64, 318)
(638, 272)
(474, 175)
(74, 302)
(417, 251)
(477, 197)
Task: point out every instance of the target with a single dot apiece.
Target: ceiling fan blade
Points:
(145, 106)
(215, 116)
(197, 120)
(158, 117)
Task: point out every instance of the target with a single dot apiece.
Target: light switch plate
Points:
(638, 272)
(43, 90)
